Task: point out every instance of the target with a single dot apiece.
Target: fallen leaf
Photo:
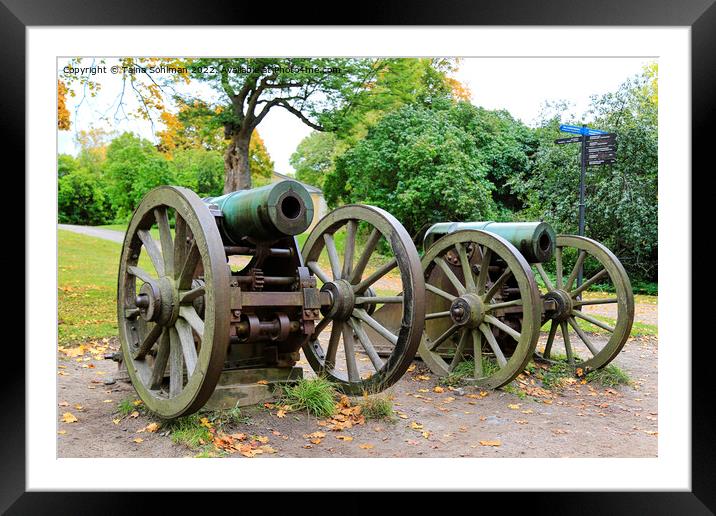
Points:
(134, 414)
(63, 404)
(514, 406)
(438, 389)
(62, 432)
(262, 439)
(411, 368)
(206, 423)
(136, 403)
(366, 446)
(106, 401)
(416, 426)
(345, 438)
(138, 440)
(262, 382)
(68, 417)
(116, 421)
(281, 413)
(490, 443)
(316, 441)
(152, 427)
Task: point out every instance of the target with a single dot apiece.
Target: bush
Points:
(82, 200)
(316, 395)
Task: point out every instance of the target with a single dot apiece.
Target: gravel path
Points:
(105, 234)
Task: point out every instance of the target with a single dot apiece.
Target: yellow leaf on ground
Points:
(205, 422)
(136, 403)
(366, 446)
(63, 404)
(138, 440)
(152, 427)
(438, 389)
(262, 382)
(490, 443)
(416, 426)
(68, 417)
(345, 438)
(411, 368)
(514, 406)
(281, 413)
(262, 439)
(316, 441)
(61, 432)
(106, 401)
(134, 414)
(116, 421)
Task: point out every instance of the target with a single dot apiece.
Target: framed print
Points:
(429, 244)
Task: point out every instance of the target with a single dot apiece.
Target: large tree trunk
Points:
(236, 163)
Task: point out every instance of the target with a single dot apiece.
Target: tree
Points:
(314, 157)
(310, 89)
(419, 164)
(133, 167)
(81, 198)
(63, 115)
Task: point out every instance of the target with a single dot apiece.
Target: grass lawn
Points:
(87, 286)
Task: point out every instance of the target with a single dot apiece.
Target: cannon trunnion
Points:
(215, 286)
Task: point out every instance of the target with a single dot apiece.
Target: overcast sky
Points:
(519, 85)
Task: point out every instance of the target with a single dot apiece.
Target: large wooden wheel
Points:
(482, 305)
(173, 302)
(375, 247)
(601, 268)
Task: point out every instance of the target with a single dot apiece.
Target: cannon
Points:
(484, 303)
(215, 291)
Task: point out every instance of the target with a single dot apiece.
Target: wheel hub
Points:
(156, 301)
(563, 304)
(343, 299)
(467, 310)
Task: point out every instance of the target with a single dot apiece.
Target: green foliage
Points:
(133, 167)
(418, 164)
(199, 169)
(126, 407)
(189, 431)
(315, 395)
(81, 198)
(314, 157)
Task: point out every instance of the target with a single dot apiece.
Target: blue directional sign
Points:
(578, 129)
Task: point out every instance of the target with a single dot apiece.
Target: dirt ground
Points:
(581, 420)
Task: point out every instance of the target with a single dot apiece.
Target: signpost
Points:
(598, 148)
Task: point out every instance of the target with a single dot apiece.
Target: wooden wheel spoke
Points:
(450, 275)
(131, 313)
(190, 295)
(155, 255)
(349, 347)
(492, 341)
(332, 255)
(583, 336)
(550, 338)
(316, 269)
(188, 347)
(372, 241)
(176, 364)
(558, 260)
(350, 246)
(434, 344)
(506, 304)
(459, 351)
(366, 343)
(496, 286)
(334, 339)
(165, 238)
(484, 275)
(379, 328)
(148, 342)
(180, 234)
(477, 353)
(466, 269)
(594, 321)
(160, 361)
(190, 315)
(320, 327)
(575, 270)
(567, 342)
(499, 324)
(141, 274)
(439, 292)
(186, 274)
(437, 315)
(543, 275)
(588, 283)
(379, 273)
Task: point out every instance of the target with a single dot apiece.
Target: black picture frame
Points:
(699, 15)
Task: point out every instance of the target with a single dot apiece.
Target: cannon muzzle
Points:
(535, 240)
(268, 213)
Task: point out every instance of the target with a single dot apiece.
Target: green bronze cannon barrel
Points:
(535, 240)
(267, 213)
